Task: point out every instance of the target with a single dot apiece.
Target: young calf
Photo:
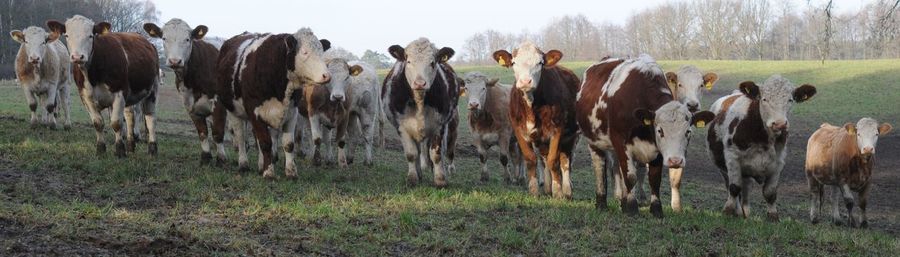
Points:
(748, 136)
(488, 103)
(42, 69)
(842, 157)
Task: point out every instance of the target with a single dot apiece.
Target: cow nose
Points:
(419, 84)
(326, 77)
(473, 106)
(77, 57)
(693, 107)
(675, 162)
(868, 150)
(525, 81)
(337, 98)
(779, 125)
(174, 62)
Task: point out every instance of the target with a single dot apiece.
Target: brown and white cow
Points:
(42, 69)
(748, 136)
(626, 108)
(419, 95)
(194, 63)
(843, 157)
(488, 103)
(542, 112)
(260, 77)
(115, 70)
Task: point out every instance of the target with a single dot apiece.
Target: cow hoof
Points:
(34, 125)
(814, 220)
(67, 127)
(244, 169)
(120, 149)
(864, 224)
(368, 163)
(220, 162)
(600, 203)
(656, 209)
(349, 160)
(101, 148)
(772, 217)
(317, 159)
(205, 158)
(631, 207)
(130, 146)
(151, 148)
(729, 211)
(851, 223)
(485, 177)
(412, 181)
(440, 184)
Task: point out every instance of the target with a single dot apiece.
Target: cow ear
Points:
(503, 57)
(325, 44)
(102, 28)
(56, 29)
(709, 80)
(700, 119)
(397, 52)
(445, 54)
(493, 82)
(804, 92)
(645, 116)
(672, 78)
(850, 128)
(355, 70)
(153, 30)
(199, 32)
(18, 36)
(750, 89)
(291, 44)
(884, 129)
(552, 58)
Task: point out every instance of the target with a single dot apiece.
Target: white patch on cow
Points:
(80, 37)
(309, 65)
(642, 151)
(644, 64)
(177, 41)
(271, 111)
(689, 85)
(528, 63)
(776, 100)
(246, 47)
(672, 127)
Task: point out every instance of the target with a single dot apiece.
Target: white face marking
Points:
(672, 127)
(421, 64)
(776, 100)
(527, 64)
(689, 86)
(80, 38)
(177, 42)
(476, 90)
(309, 64)
(867, 135)
(35, 43)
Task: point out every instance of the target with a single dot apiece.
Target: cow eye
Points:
(661, 134)
(66, 36)
(687, 134)
(91, 36)
(187, 39)
(765, 100)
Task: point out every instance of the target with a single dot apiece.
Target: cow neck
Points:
(29, 72)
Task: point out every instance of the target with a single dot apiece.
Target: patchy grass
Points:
(57, 197)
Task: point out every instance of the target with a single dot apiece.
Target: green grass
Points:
(57, 194)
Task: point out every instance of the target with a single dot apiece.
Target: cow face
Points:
(178, 39)
(34, 39)
(776, 98)
(527, 62)
(341, 76)
(477, 86)
(80, 33)
(672, 128)
(309, 66)
(867, 132)
(688, 83)
(422, 59)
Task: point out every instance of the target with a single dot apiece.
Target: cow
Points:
(42, 69)
(488, 104)
(419, 97)
(351, 98)
(194, 63)
(542, 112)
(116, 71)
(259, 80)
(747, 139)
(843, 157)
(627, 111)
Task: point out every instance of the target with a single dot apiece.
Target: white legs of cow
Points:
(738, 188)
(47, 104)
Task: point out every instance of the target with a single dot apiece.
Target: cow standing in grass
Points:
(260, 79)
(194, 63)
(420, 94)
(42, 69)
(747, 140)
(843, 157)
(488, 103)
(542, 112)
(115, 70)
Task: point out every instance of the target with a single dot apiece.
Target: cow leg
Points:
(239, 133)
(618, 181)
(148, 107)
(530, 162)
(863, 202)
(564, 165)
(138, 124)
(835, 205)
(675, 186)
(553, 163)
(264, 144)
(32, 105)
(518, 165)
(629, 204)
(129, 129)
(440, 179)
(411, 150)
(545, 172)
(639, 175)
(451, 145)
(733, 184)
(328, 149)
(316, 132)
(115, 121)
(424, 160)
(654, 172)
(94, 111)
(598, 159)
(64, 101)
(367, 120)
(770, 192)
(218, 132)
(815, 199)
(482, 157)
(744, 201)
(508, 176)
(848, 203)
(42, 111)
(341, 139)
(50, 103)
(287, 142)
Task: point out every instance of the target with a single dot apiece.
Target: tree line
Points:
(717, 30)
(124, 15)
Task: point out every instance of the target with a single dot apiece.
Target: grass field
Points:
(57, 197)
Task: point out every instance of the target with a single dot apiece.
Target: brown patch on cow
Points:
(726, 104)
(25, 71)
(833, 158)
(590, 96)
(494, 116)
(199, 74)
(751, 130)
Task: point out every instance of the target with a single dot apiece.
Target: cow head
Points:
(80, 33)
(422, 61)
(309, 65)
(776, 98)
(341, 76)
(867, 132)
(178, 39)
(687, 83)
(672, 127)
(527, 62)
(477, 86)
(33, 39)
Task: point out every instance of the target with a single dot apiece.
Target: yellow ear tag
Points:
(648, 122)
(701, 124)
(708, 85)
(852, 131)
(152, 33)
(501, 61)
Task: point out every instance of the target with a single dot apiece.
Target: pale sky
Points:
(357, 25)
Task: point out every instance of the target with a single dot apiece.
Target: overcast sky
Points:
(357, 25)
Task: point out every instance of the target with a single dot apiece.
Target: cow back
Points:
(125, 62)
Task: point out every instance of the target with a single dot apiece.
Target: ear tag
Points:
(152, 33)
(708, 86)
(701, 124)
(648, 122)
(852, 131)
(501, 61)
(444, 59)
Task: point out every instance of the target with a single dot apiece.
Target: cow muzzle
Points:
(175, 63)
(77, 58)
(779, 126)
(675, 162)
(337, 98)
(473, 106)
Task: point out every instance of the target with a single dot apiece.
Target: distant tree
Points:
(476, 49)
(379, 60)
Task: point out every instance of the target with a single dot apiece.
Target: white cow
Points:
(42, 69)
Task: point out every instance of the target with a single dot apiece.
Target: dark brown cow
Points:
(260, 77)
(112, 70)
(542, 112)
(420, 95)
(194, 63)
(626, 107)
(748, 136)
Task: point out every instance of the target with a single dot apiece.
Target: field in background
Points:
(57, 197)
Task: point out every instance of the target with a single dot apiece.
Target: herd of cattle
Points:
(631, 113)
